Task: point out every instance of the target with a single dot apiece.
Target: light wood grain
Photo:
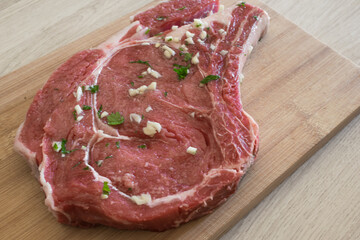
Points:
(18, 175)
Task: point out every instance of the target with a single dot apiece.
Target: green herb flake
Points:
(187, 57)
(76, 164)
(117, 144)
(99, 111)
(56, 147)
(208, 28)
(109, 157)
(256, 17)
(86, 107)
(75, 115)
(115, 119)
(242, 4)
(99, 163)
(94, 88)
(129, 189)
(106, 189)
(182, 71)
(147, 31)
(198, 25)
(140, 76)
(63, 147)
(142, 117)
(165, 94)
(107, 144)
(83, 88)
(181, 49)
(86, 168)
(143, 146)
(160, 18)
(182, 8)
(209, 78)
(158, 34)
(142, 62)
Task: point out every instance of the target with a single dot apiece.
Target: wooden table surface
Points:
(321, 200)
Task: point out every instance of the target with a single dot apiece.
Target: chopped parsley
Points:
(86, 168)
(160, 18)
(132, 83)
(209, 78)
(142, 62)
(94, 88)
(107, 144)
(109, 157)
(147, 31)
(158, 34)
(140, 76)
(106, 190)
(99, 111)
(187, 57)
(56, 147)
(129, 189)
(256, 17)
(181, 49)
(83, 88)
(75, 115)
(99, 163)
(182, 71)
(182, 8)
(242, 4)
(86, 107)
(63, 147)
(115, 119)
(165, 94)
(142, 117)
(117, 144)
(76, 164)
(143, 146)
(198, 25)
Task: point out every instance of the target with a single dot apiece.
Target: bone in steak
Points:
(155, 133)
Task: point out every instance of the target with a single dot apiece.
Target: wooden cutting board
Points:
(300, 92)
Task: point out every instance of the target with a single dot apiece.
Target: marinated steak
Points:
(148, 132)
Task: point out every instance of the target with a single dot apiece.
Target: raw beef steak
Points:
(148, 133)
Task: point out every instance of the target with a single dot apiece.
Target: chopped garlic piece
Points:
(152, 86)
(166, 48)
(192, 114)
(168, 39)
(104, 114)
(133, 92)
(189, 40)
(151, 128)
(167, 54)
(142, 89)
(148, 109)
(189, 34)
(224, 52)
(145, 44)
(78, 110)
(191, 150)
(157, 45)
(222, 32)
(212, 47)
(83, 148)
(135, 117)
(203, 35)
(104, 196)
(195, 59)
(139, 28)
(176, 39)
(221, 8)
(79, 118)
(184, 47)
(141, 199)
(79, 94)
(174, 27)
(198, 23)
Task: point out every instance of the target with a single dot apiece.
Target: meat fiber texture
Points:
(147, 131)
